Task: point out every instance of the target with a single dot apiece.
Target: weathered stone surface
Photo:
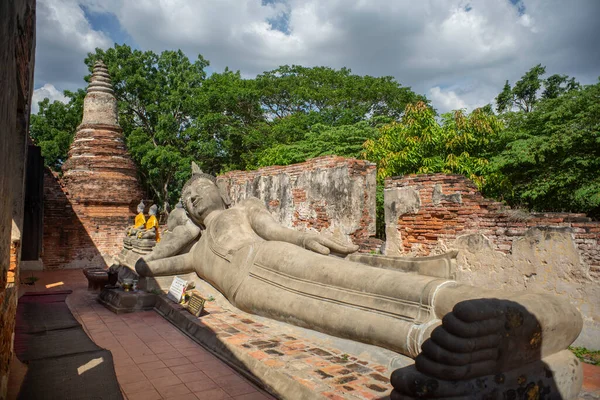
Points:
(17, 51)
(500, 248)
(328, 194)
(88, 210)
(455, 331)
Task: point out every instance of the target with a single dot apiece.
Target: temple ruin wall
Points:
(17, 56)
(499, 248)
(79, 234)
(329, 194)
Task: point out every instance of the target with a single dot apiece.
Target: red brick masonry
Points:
(461, 209)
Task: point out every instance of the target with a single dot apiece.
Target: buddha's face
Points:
(201, 198)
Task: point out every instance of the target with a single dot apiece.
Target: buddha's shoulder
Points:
(250, 202)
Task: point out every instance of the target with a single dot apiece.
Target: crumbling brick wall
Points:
(17, 51)
(330, 194)
(79, 234)
(499, 247)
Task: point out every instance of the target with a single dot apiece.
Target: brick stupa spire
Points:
(99, 169)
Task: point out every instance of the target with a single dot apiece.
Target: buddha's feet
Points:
(493, 348)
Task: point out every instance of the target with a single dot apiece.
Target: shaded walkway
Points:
(62, 361)
(153, 360)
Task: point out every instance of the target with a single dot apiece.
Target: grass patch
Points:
(586, 355)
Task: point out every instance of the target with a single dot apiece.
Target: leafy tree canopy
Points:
(461, 143)
(526, 92)
(344, 140)
(53, 127)
(552, 154)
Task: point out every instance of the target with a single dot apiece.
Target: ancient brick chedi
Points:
(99, 169)
(99, 188)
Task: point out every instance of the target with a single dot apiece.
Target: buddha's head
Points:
(200, 196)
(153, 209)
(141, 206)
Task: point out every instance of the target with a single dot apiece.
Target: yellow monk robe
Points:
(153, 223)
(139, 220)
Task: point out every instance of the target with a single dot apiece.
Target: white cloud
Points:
(64, 37)
(49, 91)
(469, 48)
(446, 100)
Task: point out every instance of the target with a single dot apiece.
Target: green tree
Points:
(552, 154)
(526, 89)
(461, 144)
(526, 92)
(557, 85)
(345, 141)
(157, 109)
(504, 101)
(328, 96)
(53, 127)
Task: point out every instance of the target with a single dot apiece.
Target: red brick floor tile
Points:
(195, 376)
(199, 386)
(126, 369)
(181, 369)
(236, 389)
(151, 365)
(133, 377)
(135, 387)
(166, 381)
(169, 356)
(212, 394)
(175, 390)
(145, 359)
(158, 373)
(174, 362)
(225, 380)
(151, 394)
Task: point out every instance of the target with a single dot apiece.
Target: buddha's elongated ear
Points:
(195, 169)
(222, 185)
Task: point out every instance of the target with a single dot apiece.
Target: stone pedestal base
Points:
(120, 302)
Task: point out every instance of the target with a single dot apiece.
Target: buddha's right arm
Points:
(167, 266)
(176, 242)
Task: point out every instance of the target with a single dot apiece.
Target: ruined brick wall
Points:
(17, 51)
(79, 234)
(500, 248)
(328, 194)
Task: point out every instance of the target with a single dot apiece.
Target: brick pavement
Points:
(153, 359)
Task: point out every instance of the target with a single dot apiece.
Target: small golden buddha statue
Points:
(152, 231)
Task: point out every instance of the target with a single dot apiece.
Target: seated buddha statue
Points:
(138, 224)
(151, 230)
(264, 268)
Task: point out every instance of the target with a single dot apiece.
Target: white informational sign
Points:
(177, 289)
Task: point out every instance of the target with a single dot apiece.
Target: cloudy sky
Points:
(457, 53)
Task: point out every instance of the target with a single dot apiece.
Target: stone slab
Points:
(119, 301)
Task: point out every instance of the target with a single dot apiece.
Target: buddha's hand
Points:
(324, 245)
(149, 234)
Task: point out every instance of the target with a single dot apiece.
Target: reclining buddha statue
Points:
(459, 334)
